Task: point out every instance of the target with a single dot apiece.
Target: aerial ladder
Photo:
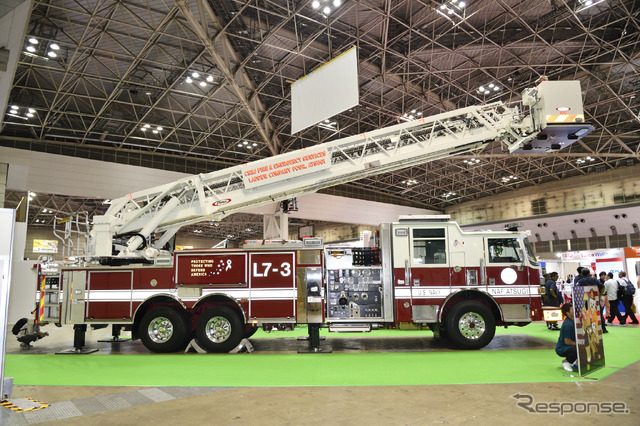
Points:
(549, 118)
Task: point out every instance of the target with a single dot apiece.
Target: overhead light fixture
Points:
(452, 8)
(410, 182)
(583, 5)
(449, 194)
(471, 162)
(491, 87)
(409, 116)
(507, 179)
(195, 77)
(46, 50)
(155, 130)
(22, 113)
(248, 145)
(585, 160)
(326, 7)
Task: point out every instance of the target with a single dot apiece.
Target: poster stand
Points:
(586, 311)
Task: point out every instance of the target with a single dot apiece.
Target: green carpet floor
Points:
(622, 348)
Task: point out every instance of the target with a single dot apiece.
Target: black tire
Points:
(470, 325)
(219, 329)
(163, 330)
(249, 331)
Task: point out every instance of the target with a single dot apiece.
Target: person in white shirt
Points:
(611, 290)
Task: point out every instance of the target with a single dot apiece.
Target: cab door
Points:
(507, 277)
(505, 262)
(429, 281)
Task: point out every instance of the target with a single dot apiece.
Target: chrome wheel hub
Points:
(471, 325)
(218, 329)
(160, 330)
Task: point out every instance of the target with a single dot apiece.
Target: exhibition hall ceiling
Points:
(196, 86)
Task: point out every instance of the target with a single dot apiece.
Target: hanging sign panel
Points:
(327, 91)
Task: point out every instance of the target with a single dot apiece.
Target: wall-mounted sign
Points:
(45, 246)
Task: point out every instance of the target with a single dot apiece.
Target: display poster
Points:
(45, 246)
(586, 309)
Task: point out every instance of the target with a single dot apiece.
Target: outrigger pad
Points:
(77, 351)
(244, 346)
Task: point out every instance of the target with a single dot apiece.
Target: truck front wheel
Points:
(219, 329)
(470, 325)
(163, 330)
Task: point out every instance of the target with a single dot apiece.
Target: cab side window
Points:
(429, 246)
(504, 250)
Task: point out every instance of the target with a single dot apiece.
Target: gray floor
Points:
(366, 405)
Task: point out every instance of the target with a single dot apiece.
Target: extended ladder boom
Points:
(166, 208)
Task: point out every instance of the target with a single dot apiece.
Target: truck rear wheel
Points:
(163, 329)
(219, 329)
(470, 325)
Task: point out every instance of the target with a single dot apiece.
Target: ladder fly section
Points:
(166, 208)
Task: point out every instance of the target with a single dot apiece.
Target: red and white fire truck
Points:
(421, 272)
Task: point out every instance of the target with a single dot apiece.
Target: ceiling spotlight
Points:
(188, 80)
(31, 49)
(195, 74)
(146, 126)
(203, 84)
(31, 110)
(326, 10)
(54, 46)
(33, 40)
(155, 131)
(52, 54)
(30, 115)
(315, 4)
(210, 78)
(337, 3)
(159, 128)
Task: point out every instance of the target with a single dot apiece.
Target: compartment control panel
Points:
(354, 293)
